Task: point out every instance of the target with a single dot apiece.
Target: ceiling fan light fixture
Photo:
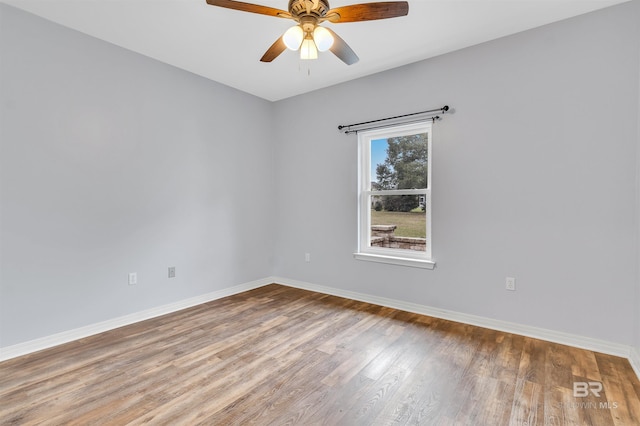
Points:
(322, 38)
(293, 37)
(308, 49)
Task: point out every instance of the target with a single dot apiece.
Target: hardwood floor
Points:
(283, 356)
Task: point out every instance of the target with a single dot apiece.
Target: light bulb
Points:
(308, 49)
(323, 39)
(292, 38)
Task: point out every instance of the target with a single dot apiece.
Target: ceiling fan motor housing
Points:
(301, 8)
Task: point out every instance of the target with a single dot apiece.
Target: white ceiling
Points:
(226, 45)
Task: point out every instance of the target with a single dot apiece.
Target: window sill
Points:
(392, 260)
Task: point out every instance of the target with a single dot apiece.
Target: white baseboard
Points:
(91, 329)
(509, 327)
(634, 360)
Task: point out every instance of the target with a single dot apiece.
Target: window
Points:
(394, 207)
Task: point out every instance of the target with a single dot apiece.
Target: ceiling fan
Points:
(307, 35)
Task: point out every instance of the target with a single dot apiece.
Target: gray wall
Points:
(534, 176)
(637, 298)
(114, 163)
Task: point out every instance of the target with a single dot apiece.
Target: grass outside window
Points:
(409, 224)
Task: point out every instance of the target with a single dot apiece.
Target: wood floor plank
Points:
(432, 389)
(528, 403)
(272, 398)
(620, 392)
(369, 400)
(279, 355)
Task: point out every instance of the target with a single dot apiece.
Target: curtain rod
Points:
(384, 126)
(443, 110)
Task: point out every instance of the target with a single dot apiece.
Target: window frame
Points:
(394, 256)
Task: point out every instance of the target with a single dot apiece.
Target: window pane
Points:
(399, 162)
(398, 222)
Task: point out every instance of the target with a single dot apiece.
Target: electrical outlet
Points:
(307, 257)
(172, 271)
(133, 278)
(510, 284)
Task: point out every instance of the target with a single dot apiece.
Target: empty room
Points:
(320, 213)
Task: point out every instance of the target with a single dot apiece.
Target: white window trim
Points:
(379, 254)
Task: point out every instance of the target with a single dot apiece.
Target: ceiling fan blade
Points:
(274, 51)
(249, 7)
(342, 50)
(368, 11)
